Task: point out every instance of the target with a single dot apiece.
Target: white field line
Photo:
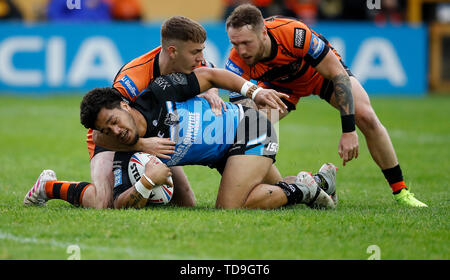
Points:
(131, 253)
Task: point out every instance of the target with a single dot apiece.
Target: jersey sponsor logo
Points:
(130, 86)
(299, 38)
(230, 65)
(316, 46)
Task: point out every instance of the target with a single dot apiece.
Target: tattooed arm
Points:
(343, 93)
(136, 196)
(331, 68)
(131, 198)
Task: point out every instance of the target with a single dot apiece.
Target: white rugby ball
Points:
(161, 194)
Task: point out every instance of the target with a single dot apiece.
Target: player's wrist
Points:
(142, 188)
(250, 90)
(348, 123)
(138, 145)
(148, 183)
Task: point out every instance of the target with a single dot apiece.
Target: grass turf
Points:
(44, 133)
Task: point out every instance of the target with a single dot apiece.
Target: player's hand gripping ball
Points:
(161, 194)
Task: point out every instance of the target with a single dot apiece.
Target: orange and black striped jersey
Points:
(135, 76)
(296, 50)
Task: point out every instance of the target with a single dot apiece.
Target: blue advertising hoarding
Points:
(66, 58)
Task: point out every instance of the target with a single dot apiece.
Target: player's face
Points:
(188, 56)
(248, 43)
(119, 124)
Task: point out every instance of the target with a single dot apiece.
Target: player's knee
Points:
(95, 198)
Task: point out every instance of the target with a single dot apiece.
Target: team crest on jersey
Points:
(230, 65)
(299, 38)
(316, 46)
(171, 119)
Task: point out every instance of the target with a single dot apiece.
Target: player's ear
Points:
(125, 106)
(264, 32)
(172, 50)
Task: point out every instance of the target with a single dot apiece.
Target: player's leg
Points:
(378, 141)
(238, 180)
(99, 195)
(48, 187)
(183, 194)
(241, 187)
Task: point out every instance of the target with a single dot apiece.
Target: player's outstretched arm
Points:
(221, 78)
(331, 68)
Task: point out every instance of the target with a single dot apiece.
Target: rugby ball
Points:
(161, 194)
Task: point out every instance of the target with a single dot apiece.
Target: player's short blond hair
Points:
(245, 14)
(183, 29)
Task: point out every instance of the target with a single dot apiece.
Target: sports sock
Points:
(71, 192)
(394, 177)
(292, 191)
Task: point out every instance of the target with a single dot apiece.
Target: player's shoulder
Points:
(135, 75)
(140, 63)
(289, 32)
(282, 23)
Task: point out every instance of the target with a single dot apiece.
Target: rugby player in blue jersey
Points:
(241, 143)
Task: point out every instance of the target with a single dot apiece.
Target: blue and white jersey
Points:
(171, 109)
(201, 137)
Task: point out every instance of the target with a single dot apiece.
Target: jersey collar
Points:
(273, 48)
(156, 71)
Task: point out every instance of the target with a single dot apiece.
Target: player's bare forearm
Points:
(219, 78)
(343, 94)
(131, 198)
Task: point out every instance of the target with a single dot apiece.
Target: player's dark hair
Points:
(245, 14)
(183, 29)
(94, 101)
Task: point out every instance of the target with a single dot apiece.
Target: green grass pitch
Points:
(44, 133)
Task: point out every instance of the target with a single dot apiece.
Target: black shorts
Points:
(255, 136)
(122, 180)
